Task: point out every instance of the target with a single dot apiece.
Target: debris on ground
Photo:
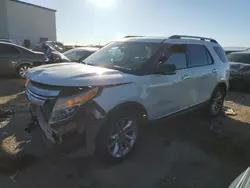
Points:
(216, 127)
(6, 113)
(14, 176)
(11, 145)
(231, 102)
(4, 122)
(164, 181)
(228, 111)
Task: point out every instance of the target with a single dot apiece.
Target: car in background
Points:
(79, 54)
(239, 67)
(8, 41)
(54, 44)
(229, 50)
(69, 47)
(17, 60)
(54, 56)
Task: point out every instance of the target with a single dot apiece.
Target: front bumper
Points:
(82, 127)
(78, 131)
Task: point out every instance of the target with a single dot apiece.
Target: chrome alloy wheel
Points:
(123, 137)
(23, 69)
(217, 102)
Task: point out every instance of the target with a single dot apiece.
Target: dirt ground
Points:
(191, 151)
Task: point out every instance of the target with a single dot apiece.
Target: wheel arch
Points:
(23, 63)
(222, 85)
(131, 106)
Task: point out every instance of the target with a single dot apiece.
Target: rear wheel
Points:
(22, 69)
(216, 101)
(118, 136)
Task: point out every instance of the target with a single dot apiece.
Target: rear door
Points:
(201, 67)
(8, 59)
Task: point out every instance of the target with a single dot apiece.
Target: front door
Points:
(172, 93)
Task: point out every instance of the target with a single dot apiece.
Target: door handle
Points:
(185, 77)
(214, 71)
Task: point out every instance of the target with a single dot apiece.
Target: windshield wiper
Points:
(119, 67)
(108, 66)
(83, 62)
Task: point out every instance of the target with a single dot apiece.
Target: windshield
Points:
(77, 54)
(123, 55)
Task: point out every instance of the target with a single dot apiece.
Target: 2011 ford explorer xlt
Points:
(116, 90)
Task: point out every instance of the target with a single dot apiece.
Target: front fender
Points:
(114, 96)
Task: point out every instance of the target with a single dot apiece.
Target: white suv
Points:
(102, 101)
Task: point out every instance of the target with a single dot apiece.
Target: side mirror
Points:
(166, 69)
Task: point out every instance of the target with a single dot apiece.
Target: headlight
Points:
(66, 107)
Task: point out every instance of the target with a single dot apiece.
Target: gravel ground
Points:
(185, 152)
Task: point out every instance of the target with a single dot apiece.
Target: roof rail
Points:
(132, 36)
(192, 37)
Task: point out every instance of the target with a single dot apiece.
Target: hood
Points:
(76, 74)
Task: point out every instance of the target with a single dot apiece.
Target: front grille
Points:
(43, 96)
(45, 86)
(47, 108)
(42, 91)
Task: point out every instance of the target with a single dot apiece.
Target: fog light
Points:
(62, 114)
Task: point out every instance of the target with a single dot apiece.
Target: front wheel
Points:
(22, 69)
(216, 101)
(118, 136)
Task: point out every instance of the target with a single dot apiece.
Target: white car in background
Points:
(109, 97)
(9, 41)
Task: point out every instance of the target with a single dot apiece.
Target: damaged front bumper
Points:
(79, 130)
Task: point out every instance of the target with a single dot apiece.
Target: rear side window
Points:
(176, 54)
(198, 55)
(239, 57)
(8, 50)
(221, 53)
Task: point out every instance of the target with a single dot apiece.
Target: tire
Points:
(216, 101)
(22, 69)
(117, 138)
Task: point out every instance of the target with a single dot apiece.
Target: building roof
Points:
(17, 1)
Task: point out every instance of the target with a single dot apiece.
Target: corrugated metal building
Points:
(26, 23)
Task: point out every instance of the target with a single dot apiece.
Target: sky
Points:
(99, 21)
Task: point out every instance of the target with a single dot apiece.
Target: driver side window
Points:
(176, 54)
